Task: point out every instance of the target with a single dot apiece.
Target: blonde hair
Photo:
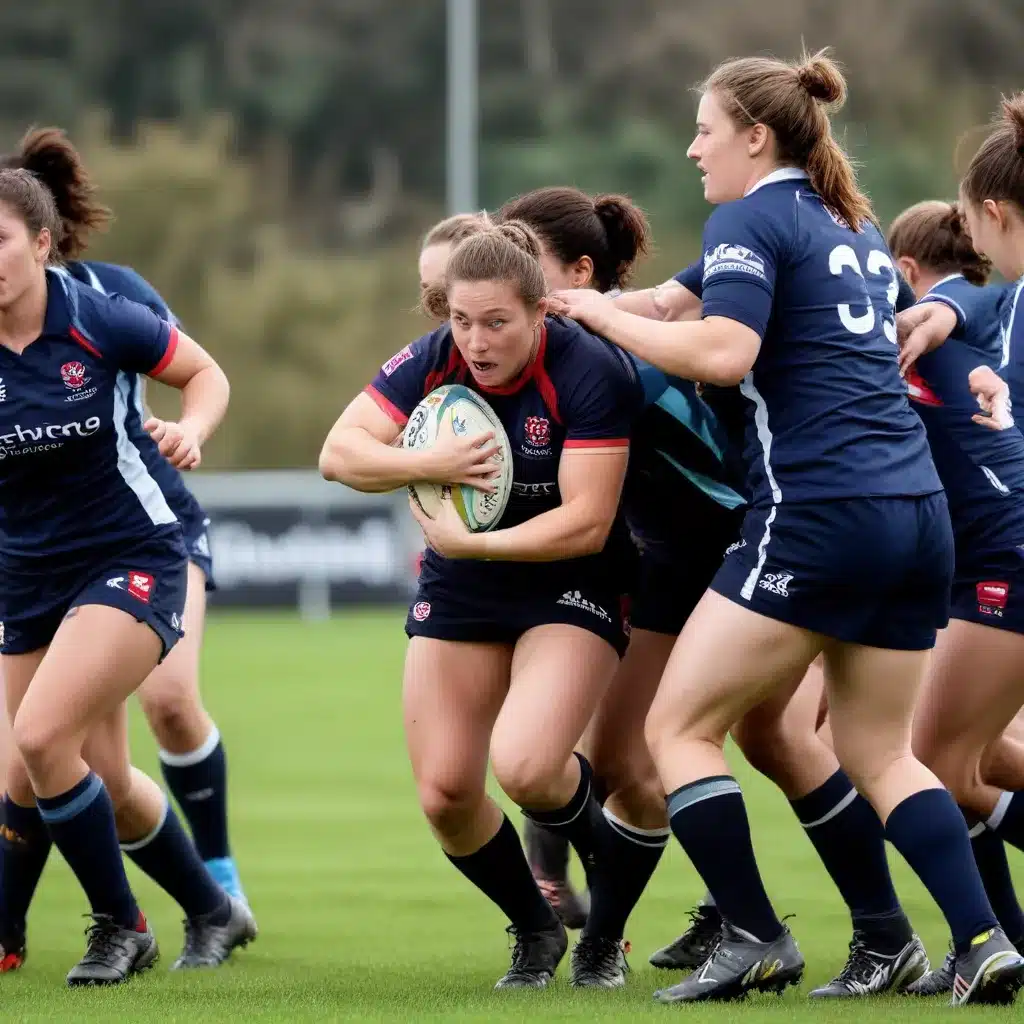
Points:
(458, 228)
(508, 252)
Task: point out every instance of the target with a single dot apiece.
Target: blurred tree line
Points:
(272, 165)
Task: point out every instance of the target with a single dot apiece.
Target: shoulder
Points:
(740, 236)
(113, 318)
(572, 349)
(424, 351)
(131, 284)
(415, 369)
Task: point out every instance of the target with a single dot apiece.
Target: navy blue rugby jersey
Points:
(111, 279)
(827, 411)
(578, 391)
(982, 470)
(682, 468)
(73, 481)
(982, 313)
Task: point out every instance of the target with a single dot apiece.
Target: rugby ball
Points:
(456, 409)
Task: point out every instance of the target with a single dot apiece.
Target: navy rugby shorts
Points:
(673, 574)
(147, 580)
(444, 610)
(872, 571)
(989, 589)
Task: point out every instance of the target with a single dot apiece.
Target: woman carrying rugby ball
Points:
(514, 633)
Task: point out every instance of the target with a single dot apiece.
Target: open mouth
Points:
(481, 366)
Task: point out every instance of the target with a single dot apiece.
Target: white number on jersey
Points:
(841, 258)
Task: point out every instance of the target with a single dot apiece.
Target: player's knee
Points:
(528, 778)
(42, 742)
(19, 785)
(172, 709)
(874, 769)
(661, 733)
(448, 805)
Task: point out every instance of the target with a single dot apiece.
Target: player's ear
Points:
(582, 272)
(541, 311)
(910, 269)
(994, 209)
(43, 244)
(757, 139)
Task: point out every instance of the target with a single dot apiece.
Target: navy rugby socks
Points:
(24, 847)
(168, 856)
(500, 871)
(81, 825)
(198, 782)
(618, 858)
(709, 819)
(625, 857)
(575, 820)
(848, 837)
(929, 831)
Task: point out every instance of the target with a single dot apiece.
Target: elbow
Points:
(593, 536)
(727, 369)
(332, 463)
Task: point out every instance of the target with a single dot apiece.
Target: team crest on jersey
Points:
(538, 431)
(735, 259)
(73, 375)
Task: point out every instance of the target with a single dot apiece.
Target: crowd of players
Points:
(777, 497)
(751, 500)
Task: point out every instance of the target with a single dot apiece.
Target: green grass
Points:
(361, 916)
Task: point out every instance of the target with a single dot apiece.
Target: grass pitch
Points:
(361, 916)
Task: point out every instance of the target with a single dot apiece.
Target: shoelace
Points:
(102, 939)
(859, 966)
(704, 926)
(520, 956)
(602, 955)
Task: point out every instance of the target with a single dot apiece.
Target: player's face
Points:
(722, 152)
(565, 275)
(996, 229)
(22, 256)
(433, 260)
(493, 328)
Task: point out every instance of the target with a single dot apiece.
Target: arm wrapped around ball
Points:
(360, 451)
(590, 482)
